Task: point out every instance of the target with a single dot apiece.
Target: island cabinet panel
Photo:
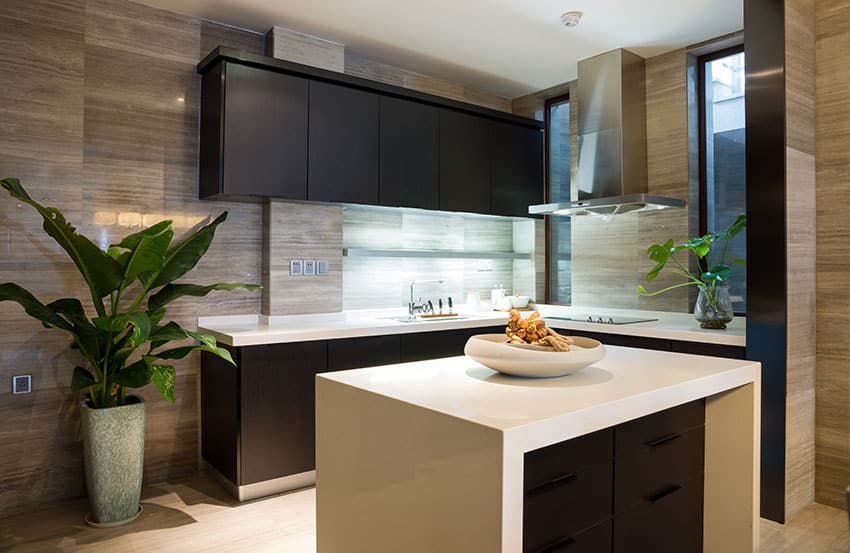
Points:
(409, 154)
(278, 409)
(465, 153)
(712, 350)
(640, 484)
(220, 413)
(517, 169)
(253, 137)
(343, 145)
(355, 353)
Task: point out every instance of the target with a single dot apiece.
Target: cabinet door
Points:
(409, 154)
(517, 165)
(443, 343)
(355, 353)
(464, 162)
(265, 133)
(278, 393)
(343, 151)
(712, 350)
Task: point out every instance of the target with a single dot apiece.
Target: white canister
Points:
(496, 295)
(473, 303)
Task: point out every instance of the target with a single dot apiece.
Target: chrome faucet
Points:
(412, 308)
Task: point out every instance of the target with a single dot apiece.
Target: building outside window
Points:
(558, 170)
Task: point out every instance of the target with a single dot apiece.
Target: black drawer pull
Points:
(664, 493)
(665, 440)
(555, 545)
(552, 484)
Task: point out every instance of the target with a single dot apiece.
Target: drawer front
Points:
(355, 353)
(592, 540)
(644, 473)
(652, 428)
(671, 523)
(566, 506)
(548, 463)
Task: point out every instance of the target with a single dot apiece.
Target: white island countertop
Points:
(250, 330)
(627, 384)
(430, 455)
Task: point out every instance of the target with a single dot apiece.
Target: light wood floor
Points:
(198, 516)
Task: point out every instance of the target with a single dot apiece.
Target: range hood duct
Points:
(612, 177)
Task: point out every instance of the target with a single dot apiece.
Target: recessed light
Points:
(571, 19)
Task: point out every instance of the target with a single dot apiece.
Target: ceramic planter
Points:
(113, 453)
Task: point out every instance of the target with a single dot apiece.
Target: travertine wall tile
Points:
(290, 45)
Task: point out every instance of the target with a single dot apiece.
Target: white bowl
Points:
(519, 302)
(493, 351)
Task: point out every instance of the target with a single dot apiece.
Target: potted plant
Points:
(125, 343)
(714, 306)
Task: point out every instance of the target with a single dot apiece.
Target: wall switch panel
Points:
(296, 267)
(309, 267)
(22, 384)
(322, 268)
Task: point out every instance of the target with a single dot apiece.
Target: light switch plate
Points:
(322, 268)
(296, 267)
(22, 384)
(309, 267)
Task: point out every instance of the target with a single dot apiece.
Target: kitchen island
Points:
(447, 455)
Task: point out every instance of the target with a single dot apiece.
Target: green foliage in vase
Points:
(712, 267)
(125, 342)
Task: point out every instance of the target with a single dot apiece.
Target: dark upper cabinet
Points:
(253, 138)
(409, 154)
(464, 162)
(517, 169)
(343, 144)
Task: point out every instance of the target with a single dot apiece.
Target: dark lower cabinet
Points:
(343, 144)
(660, 344)
(464, 162)
(632, 488)
(354, 353)
(409, 154)
(443, 343)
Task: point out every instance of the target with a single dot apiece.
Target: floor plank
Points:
(198, 516)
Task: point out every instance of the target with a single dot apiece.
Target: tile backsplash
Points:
(375, 281)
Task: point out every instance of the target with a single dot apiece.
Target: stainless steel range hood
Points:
(611, 141)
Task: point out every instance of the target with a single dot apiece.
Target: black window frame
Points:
(547, 120)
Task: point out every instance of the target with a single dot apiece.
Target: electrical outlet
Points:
(296, 267)
(22, 384)
(322, 268)
(309, 267)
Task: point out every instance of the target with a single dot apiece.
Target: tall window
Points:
(559, 286)
(723, 155)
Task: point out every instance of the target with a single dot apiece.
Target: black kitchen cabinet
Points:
(443, 343)
(253, 138)
(634, 487)
(713, 350)
(409, 154)
(465, 172)
(660, 344)
(343, 144)
(517, 169)
(372, 351)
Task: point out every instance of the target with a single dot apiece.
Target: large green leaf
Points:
(131, 241)
(183, 257)
(700, 245)
(102, 273)
(133, 376)
(734, 229)
(163, 379)
(81, 379)
(170, 332)
(34, 308)
(148, 255)
(718, 273)
(88, 339)
(171, 292)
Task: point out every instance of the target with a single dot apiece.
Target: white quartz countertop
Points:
(250, 330)
(627, 384)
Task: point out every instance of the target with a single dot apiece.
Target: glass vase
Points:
(714, 306)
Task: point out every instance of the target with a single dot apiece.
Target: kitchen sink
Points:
(405, 319)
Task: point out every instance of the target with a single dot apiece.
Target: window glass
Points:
(725, 159)
(558, 180)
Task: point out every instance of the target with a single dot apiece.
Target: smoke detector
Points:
(571, 19)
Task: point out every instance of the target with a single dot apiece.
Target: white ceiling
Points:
(508, 47)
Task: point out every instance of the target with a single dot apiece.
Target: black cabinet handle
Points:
(664, 493)
(555, 545)
(552, 484)
(665, 440)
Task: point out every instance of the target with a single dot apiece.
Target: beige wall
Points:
(833, 226)
(100, 119)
